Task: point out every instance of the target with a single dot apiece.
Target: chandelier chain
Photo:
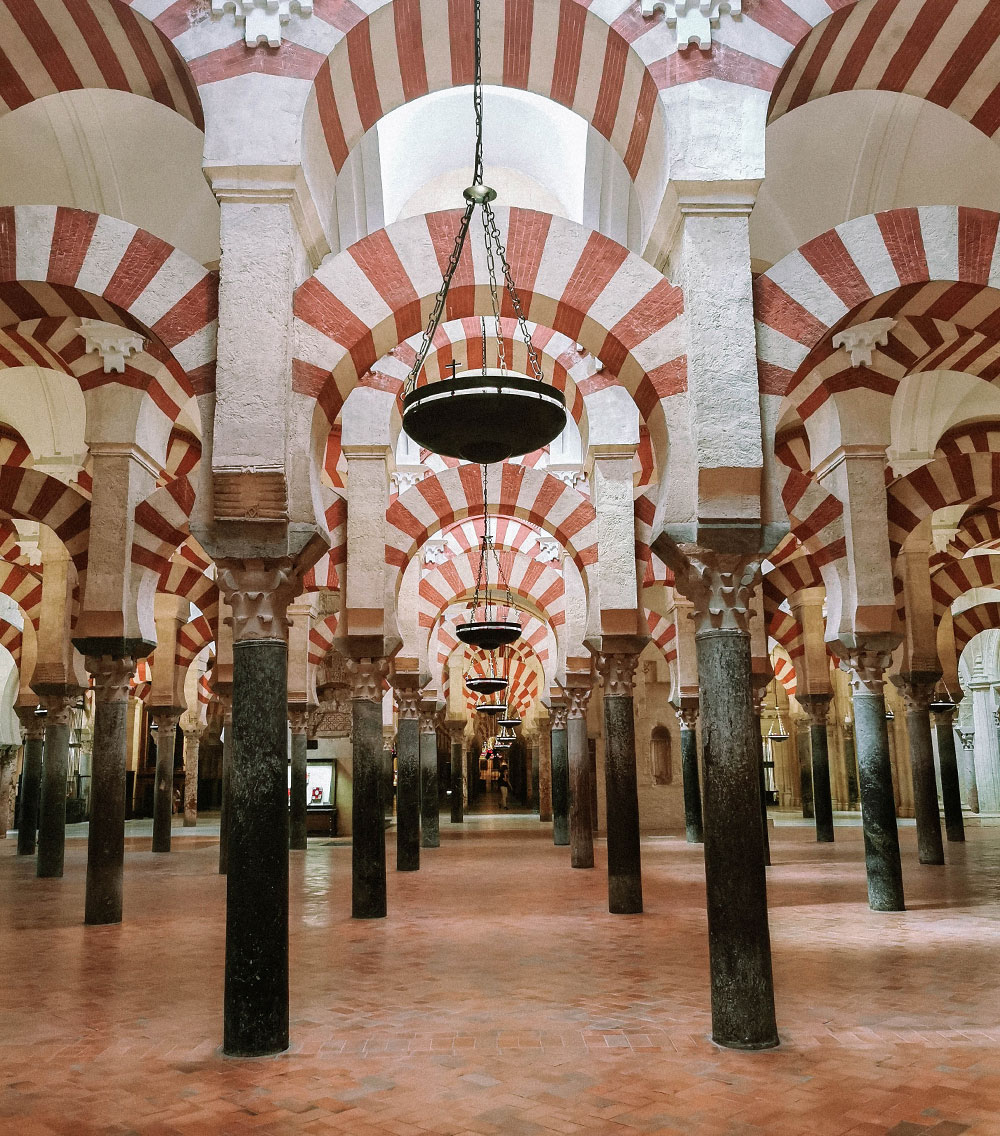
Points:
(493, 233)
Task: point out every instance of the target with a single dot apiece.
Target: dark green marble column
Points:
(878, 803)
(31, 780)
(457, 771)
(817, 706)
(617, 672)
(227, 771)
(687, 717)
(298, 719)
(430, 805)
(52, 814)
(407, 779)
(368, 841)
(106, 840)
(581, 821)
(951, 792)
(918, 690)
(166, 719)
(534, 795)
(256, 995)
(560, 775)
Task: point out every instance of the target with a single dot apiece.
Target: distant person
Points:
(504, 785)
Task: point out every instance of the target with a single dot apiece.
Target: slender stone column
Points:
(758, 691)
(227, 780)
(192, 748)
(31, 779)
(917, 691)
(166, 719)
(560, 775)
(687, 716)
(407, 778)
(106, 840)
(430, 836)
(617, 671)
(968, 740)
(545, 773)
(878, 804)
(256, 992)
(817, 706)
(368, 841)
(581, 821)
(951, 791)
(8, 758)
(535, 758)
(986, 751)
(52, 814)
(298, 720)
(457, 773)
(738, 937)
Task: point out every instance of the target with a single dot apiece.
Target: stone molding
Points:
(112, 342)
(250, 495)
(367, 676)
(59, 707)
(262, 19)
(861, 340)
(866, 667)
(693, 20)
(687, 717)
(557, 716)
(719, 585)
(111, 676)
(298, 720)
(617, 671)
(259, 592)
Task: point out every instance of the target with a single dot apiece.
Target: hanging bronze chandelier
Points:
(488, 415)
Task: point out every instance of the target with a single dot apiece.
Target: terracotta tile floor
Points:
(500, 997)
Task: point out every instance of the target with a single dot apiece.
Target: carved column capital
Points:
(687, 717)
(816, 706)
(259, 592)
(917, 690)
(366, 677)
(59, 707)
(617, 671)
(32, 724)
(298, 719)
(111, 676)
(579, 700)
(407, 698)
(758, 690)
(719, 586)
(944, 717)
(866, 667)
(428, 716)
(166, 718)
(557, 716)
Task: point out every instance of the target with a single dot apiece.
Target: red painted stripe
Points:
(137, 31)
(13, 91)
(836, 267)
(645, 108)
(778, 18)
(99, 46)
(44, 42)
(569, 46)
(329, 118)
(612, 81)
(815, 50)
(777, 310)
(193, 311)
(977, 238)
(410, 48)
(378, 260)
(293, 61)
(460, 40)
(8, 244)
(517, 42)
(861, 50)
(359, 53)
(987, 118)
(71, 237)
(143, 258)
(975, 45)
(905, 244)
(919, 39)
(597, 264)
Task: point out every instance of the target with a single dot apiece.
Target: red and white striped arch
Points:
(161, 525)
(324, 574)
(11, 639)
(23, 587)
(532, 495)
(969, 623)
(784, 670)
(508, 533)
(27, 494)
(159, 287)
(183, 454)
(663, 632)
(977, 529)
(817, 518)
(945, 52)
(869, 267)
(321, 636)
(192, 639)
(186, 575)
(956, 577)
(14, 449)
(67, 45)
(365, 301)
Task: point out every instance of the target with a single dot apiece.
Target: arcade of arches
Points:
(757, 574)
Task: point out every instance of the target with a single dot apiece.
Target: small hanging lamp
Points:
(487, 684)
(488, 415)
(777, 731)
(492, 709)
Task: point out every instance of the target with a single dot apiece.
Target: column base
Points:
(624, 895)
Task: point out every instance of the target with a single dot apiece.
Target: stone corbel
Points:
(112, 342)
(861, 340)
(262, 19)
(693, 20)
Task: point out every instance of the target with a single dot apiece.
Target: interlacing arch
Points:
(11, 639)
(946, 53)
(23, 586)
(957, 577)
(969, 623)
(29, 495)
(364, 302)
(663, 632)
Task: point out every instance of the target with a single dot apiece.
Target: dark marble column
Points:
(457, 772)
(192, 748)
(806, 789)
(535, 758)
(719, 587)
(918, 690)
(52, 814)
(368, 842)
(617, 671)
(560, 775)
(581, 821)
(227, 771)
(298, 720)
(878, 804)
(951, 792)
(407, 777)
(817, 706)
(31, 779)
(166, 719)
(687, 716)
(106, 840)
(851, 761)
(758, 690)
(430, 805)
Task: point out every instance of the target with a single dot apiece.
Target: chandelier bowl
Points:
(484, 418)
(509, 723)
(486, 684)
(492, 709)
(489, 634)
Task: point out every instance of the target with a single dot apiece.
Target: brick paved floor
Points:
(500, 997)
